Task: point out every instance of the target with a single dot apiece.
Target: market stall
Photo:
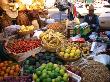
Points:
(33, 52)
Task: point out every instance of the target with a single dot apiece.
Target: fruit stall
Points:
(36, 51)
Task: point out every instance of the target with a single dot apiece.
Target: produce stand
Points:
(52, 56)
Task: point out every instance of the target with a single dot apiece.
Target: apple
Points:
(72, 55)
(67, 50)
(72, 51)
(66, 55)
(74, 48)
(78, 51)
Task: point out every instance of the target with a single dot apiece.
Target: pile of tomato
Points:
(20, 46)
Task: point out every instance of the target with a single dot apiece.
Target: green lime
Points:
(60, 78)
(50, 65)
(38, 80)
(49, 72)
(44, 80)
(49, 68)
(65, 75)
(38, 73)
(44, 71)
(53, 80)
(57, 69)
(56, 74)
(44, 75)
(62, 71)
(38, 69)
(42, 67)
(57, 79)
(65, 79)
(62, 67)
(49, 80)
(55, 65)
(52, 75)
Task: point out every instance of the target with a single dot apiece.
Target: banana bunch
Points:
(52, 39)
(26, 28)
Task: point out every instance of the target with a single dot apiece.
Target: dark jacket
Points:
(94, 22)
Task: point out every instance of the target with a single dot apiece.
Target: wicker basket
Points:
(55, 26)
(67, 59)
(49, 48)
(27, 32)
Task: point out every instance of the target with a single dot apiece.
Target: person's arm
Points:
(96, 25)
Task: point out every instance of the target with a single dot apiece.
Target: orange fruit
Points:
(17, 66)
(7, 70)
(1, 78)
(11, 72)
(13, 67)
(2, 73)
(1, 65)
(3, 68)
(17, 69)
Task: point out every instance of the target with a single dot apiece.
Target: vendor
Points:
(92, 19)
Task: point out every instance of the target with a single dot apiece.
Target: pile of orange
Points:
(9, 68)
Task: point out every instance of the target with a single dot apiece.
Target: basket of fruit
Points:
(24, 30)
(9, 68)
(69, 52)
(51, 40)
(20, 49)
(57, 26)
(50, 73)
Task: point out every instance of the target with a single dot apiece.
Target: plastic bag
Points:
(93, 36)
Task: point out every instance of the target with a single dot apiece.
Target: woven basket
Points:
(67, 59)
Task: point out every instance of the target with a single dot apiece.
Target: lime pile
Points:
(50, 73)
